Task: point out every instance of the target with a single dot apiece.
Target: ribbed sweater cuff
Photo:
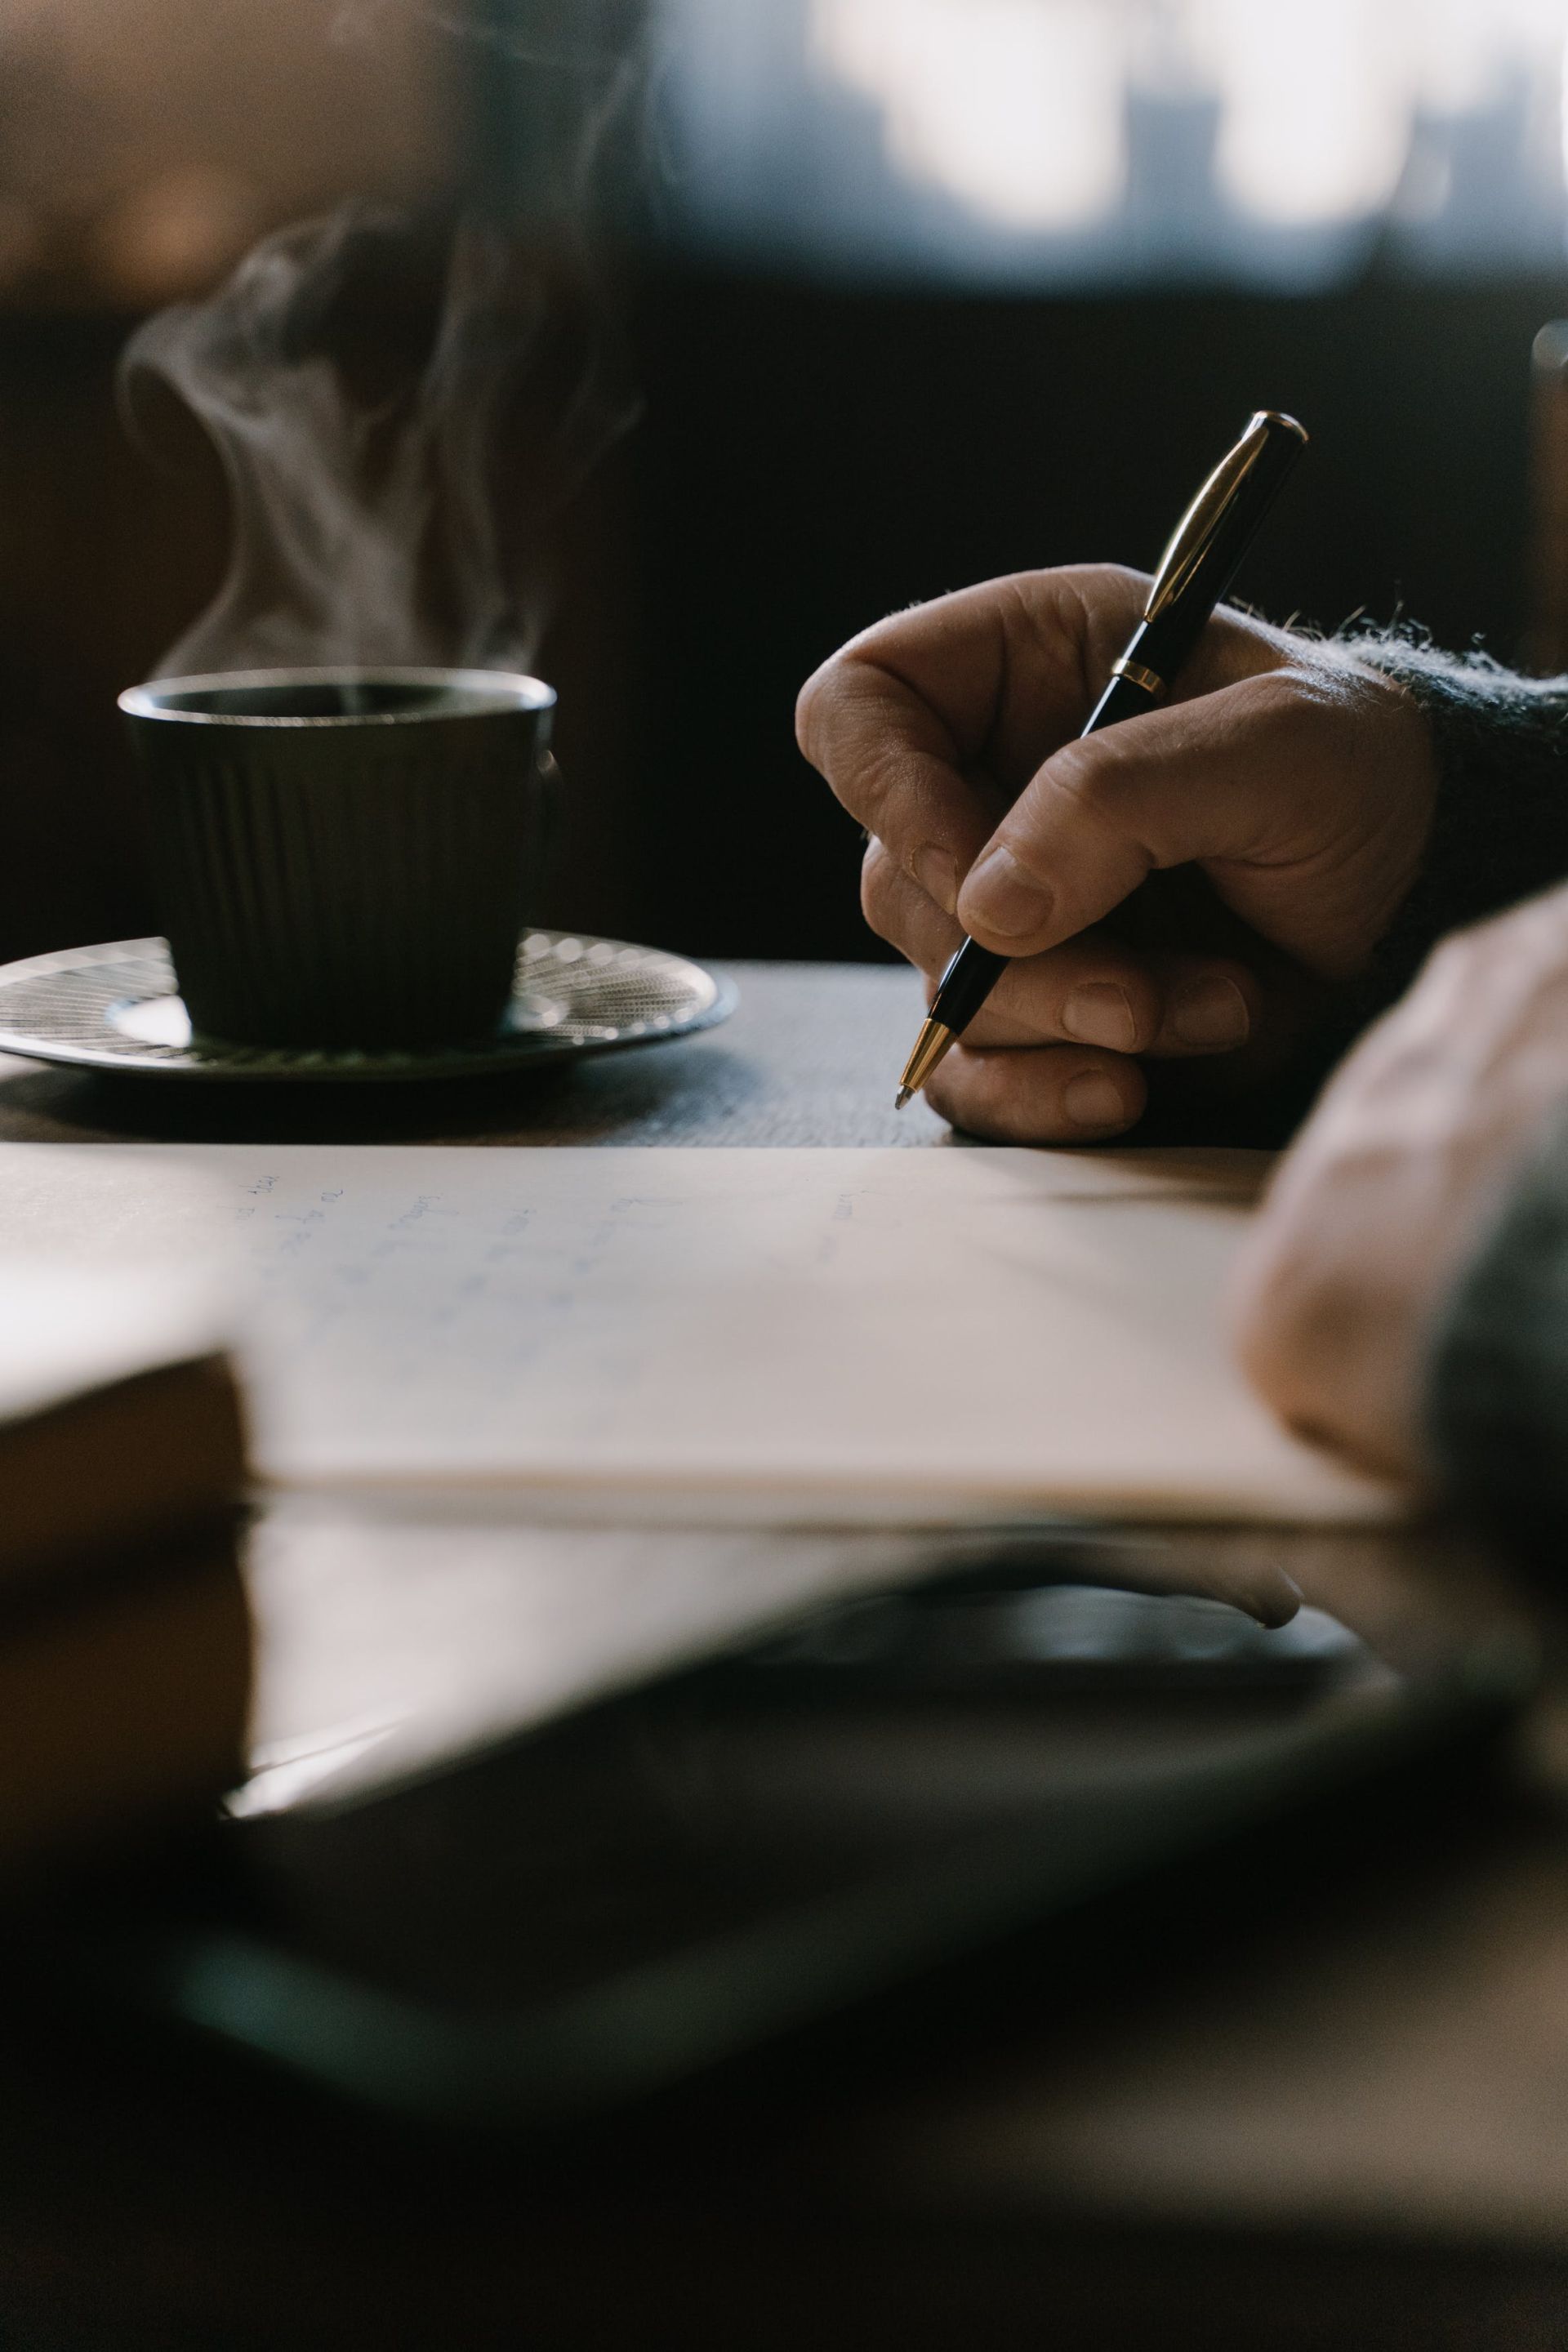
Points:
(1499, 830)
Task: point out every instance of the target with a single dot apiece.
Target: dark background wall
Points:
(812, 460)
(809, 459)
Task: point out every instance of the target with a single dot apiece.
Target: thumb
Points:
(1237, 780)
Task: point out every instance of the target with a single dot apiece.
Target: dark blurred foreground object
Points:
(640, 1888)
(125, 1648)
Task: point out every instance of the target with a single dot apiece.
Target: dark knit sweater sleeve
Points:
(1497, 1398)
(1499, 833)
(1499, 830)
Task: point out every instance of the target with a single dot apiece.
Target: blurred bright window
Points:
(1217, 140)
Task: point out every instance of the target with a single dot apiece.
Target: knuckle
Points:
(1078, 782)
(1296, 699)
(1305, 708)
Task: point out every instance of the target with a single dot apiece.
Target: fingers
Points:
(1045, 1094)
(1001, 667)
(927, 725)
(1088, 989)
(1235, 780)
(1094, 990)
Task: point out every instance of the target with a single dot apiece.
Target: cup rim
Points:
(500, 691)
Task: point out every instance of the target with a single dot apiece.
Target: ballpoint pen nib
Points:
(904, 1095)
(933, 1043)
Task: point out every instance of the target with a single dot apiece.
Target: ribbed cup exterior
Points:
(349, 883)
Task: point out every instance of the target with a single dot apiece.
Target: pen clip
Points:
(1195, 534)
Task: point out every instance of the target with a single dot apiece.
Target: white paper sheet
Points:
(805, 1333)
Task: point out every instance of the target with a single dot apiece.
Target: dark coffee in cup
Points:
(344, 857)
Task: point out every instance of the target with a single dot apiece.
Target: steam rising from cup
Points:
(402, 408)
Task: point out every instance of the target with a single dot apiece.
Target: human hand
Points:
(1298, 781)
(1390, 1183)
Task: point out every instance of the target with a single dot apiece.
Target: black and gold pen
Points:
(1194, 572)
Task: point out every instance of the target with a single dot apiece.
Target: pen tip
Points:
(904, 1095)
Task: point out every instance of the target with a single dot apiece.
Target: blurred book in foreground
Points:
(125, 1648)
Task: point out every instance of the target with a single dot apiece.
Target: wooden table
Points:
(1321, 2100)
(811, 1056)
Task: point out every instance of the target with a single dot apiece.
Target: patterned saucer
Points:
(114, 1007)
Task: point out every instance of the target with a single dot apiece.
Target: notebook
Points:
(125, 1642)
(118, 1416)
(810, 1335)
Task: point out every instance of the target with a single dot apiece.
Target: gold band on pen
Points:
(931, 1045)
(1134, 672)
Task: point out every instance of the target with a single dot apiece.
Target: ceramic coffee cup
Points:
(344, 857)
